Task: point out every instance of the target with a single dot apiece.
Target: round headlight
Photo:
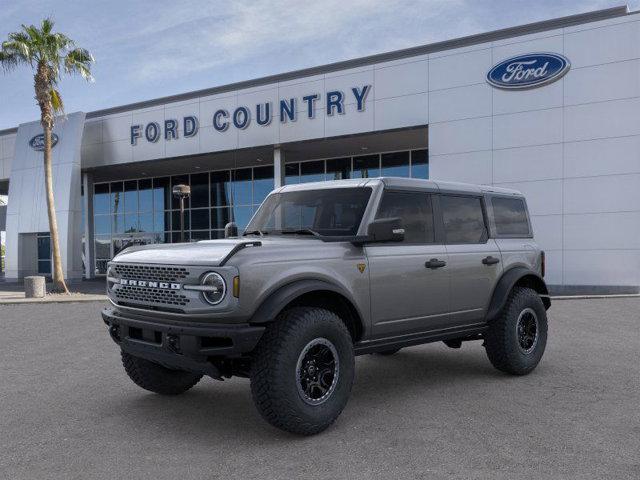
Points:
(216, 288)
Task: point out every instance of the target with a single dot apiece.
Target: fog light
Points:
(215, 288)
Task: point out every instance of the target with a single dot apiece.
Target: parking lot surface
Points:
(67, 409)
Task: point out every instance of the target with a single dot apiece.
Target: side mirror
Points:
(385, 230)
(230, 230)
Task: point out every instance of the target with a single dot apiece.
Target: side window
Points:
(510, 216)
(463, 219)
(415, 211)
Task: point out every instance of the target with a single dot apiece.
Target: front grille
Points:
(133, 294)
(151, 272)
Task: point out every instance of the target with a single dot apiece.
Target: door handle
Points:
(490, 260)
(435, 263)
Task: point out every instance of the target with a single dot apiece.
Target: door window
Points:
(415, 211)
(463, 219)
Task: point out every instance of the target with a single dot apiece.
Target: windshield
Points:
(326, 212)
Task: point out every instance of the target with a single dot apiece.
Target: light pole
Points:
(181, 192)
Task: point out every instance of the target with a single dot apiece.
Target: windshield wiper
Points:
(255, 232)
(300, 231)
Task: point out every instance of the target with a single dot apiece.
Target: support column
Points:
(278, 167)
(89, 254)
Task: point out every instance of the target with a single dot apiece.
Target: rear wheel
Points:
(515, 342)
(156, 378)
(302, 370)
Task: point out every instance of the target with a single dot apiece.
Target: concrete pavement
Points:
(67, 409)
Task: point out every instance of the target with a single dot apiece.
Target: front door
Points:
(475, 263)
(409, 279)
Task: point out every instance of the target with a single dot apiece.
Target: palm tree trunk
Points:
(59, 285)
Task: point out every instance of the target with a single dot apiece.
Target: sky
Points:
(149, 49)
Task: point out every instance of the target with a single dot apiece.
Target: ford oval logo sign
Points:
(528, 71)
(37, 142)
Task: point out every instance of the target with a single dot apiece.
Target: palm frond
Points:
(56, 101)
(79, 60)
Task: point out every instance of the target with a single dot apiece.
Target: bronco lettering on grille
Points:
(150, 284)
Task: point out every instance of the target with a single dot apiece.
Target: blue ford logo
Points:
(37, 142)
(528, 71)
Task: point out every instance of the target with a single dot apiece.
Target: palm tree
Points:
(47, 53)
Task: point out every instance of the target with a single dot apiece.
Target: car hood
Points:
(211, 252)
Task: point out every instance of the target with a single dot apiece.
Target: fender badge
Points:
(361, 267)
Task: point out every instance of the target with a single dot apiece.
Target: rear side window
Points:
(510, 216)
(415, 211)
(463, 219)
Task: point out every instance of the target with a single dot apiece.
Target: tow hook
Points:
(114, 331)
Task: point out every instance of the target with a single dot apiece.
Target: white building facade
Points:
(551, 109)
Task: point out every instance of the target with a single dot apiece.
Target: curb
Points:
(61, 299)
(587, 297)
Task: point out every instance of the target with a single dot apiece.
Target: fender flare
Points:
(281, 297)
(506, 284)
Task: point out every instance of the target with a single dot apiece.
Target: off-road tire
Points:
(274, 374)
(501, 339)
(156, 378)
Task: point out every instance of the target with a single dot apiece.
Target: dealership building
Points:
(551, 109)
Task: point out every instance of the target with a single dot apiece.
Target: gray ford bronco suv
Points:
(324, 272)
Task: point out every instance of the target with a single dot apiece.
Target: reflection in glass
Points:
(242, 215)
(220, 188)
(145, 222)
(161, 221)
(292, 173)
(116, 197)
(199, 235)
(312, 171)
(118, 224)
(200, 218)
(130, 196)
(101, 199)
(420, 164)
(395, 164)
(161, 194)
(102, 247)
(175, 220)
(262, 183)
(145, 195)
(339, 168)
(367, 166)
(200, 190)
(242, 186)
(219, 217)
(102, 224)
(131, 223)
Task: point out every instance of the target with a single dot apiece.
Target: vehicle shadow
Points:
(214, 410)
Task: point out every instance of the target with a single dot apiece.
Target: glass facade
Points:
(143, 211)
(138, 212)
(414, 163)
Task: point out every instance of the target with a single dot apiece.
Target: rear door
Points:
(409, 279)
(475, 263)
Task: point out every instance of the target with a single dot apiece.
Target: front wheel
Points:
(302, 370)
(515, 342)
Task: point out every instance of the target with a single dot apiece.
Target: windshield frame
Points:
(308, 231)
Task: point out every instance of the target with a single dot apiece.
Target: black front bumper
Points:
(176, 345)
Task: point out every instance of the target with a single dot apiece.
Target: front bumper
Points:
(179, 345)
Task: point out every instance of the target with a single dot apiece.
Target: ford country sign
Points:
(528, 71)
(37, 142)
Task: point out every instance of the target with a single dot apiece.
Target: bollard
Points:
(34, 287)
